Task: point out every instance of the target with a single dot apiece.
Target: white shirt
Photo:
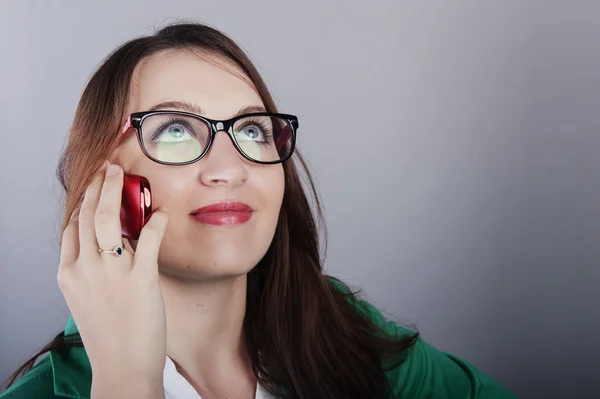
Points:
(177, 387)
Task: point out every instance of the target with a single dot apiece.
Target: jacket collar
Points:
(71, 369)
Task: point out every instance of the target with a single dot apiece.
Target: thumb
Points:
(146, 253)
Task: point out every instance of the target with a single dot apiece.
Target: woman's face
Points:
(203, 247)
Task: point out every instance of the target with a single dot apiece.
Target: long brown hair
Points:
(304, 337)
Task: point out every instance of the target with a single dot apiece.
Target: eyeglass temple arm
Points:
(283, 138)
(285, 134)
(126, 128)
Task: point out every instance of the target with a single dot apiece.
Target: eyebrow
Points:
(196, 109)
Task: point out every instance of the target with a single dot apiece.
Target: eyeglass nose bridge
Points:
(217, 126)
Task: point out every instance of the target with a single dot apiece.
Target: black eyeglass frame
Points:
(136, 119)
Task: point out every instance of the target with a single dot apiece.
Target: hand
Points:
(116, 302)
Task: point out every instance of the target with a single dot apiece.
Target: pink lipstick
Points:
(223, 214)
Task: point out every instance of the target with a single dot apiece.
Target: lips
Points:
(223, 213)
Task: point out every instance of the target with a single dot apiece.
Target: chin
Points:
(210, 256)
(216, 265)
(203, 273)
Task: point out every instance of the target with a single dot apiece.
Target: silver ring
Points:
(116, 251)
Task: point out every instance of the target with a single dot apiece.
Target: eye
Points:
(172, 133)
(252, 131)
(176, 131)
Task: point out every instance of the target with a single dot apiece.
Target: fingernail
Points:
(112, 170)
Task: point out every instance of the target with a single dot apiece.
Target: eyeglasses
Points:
(182, 138)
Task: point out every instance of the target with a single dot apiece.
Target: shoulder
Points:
(370, 312)
(37, 383)
(427, 372)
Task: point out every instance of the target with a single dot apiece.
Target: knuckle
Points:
(109, 189)
(115, 176)
(103, 215)
(63, 278)
(84, 215)
(70, 226)
(150, 232)
(71, 223)
(110, 180)
(157, 221)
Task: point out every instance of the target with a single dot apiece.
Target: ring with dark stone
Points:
(116, 251)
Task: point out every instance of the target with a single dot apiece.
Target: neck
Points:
(205, 323)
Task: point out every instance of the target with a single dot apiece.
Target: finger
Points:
(87, 232)
(69, 246)
(148, 245)
(106, 220)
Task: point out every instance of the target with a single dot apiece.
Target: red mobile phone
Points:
(136, 205)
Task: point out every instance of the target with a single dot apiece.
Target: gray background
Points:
(455, 145)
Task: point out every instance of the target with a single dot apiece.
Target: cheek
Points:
(165, 193)
(272, 187)
(168, 190)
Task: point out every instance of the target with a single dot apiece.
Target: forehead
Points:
(210, 81)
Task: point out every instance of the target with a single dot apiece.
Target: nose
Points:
(223, 165)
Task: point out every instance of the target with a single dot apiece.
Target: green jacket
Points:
(427, 372)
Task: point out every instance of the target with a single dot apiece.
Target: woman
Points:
(235, 303)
